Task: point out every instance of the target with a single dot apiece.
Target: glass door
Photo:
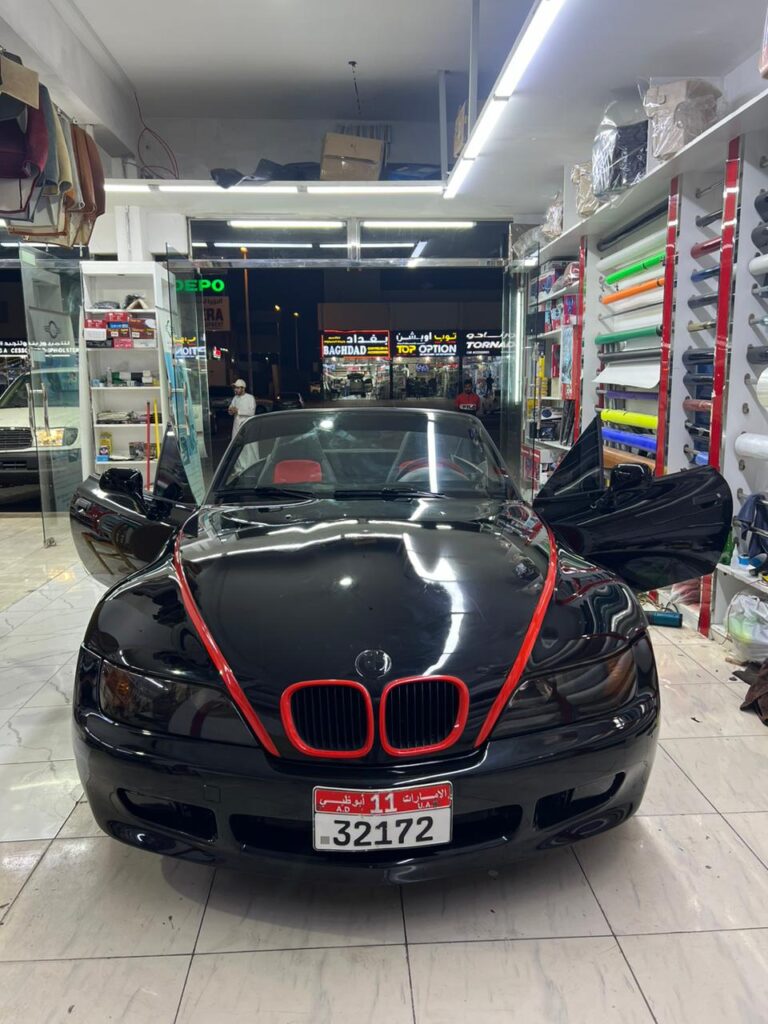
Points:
(50, 430)
(511, 368)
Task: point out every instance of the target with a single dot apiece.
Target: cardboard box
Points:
(351, 158)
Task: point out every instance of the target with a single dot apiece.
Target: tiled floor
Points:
(664, 919)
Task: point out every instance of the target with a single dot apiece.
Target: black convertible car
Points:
(365, 651)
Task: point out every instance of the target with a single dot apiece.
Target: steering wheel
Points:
(406, 468)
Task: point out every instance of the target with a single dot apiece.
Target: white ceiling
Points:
(596, 50)
(288, 58)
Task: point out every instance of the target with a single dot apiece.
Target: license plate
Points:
(366, 820)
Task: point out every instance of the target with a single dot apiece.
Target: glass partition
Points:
(42, 423)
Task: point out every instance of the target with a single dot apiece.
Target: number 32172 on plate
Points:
(366, 820)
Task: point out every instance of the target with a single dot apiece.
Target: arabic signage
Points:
(355, 344)
(427, 343)
(482, 343)
(14, 347)
(216, 312)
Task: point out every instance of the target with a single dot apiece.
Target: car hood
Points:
(444, 588)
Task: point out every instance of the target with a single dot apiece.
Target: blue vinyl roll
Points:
(701, 458)
(645, 441)
(704, 275)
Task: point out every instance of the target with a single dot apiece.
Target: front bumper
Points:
(214, 802)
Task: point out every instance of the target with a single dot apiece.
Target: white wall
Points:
(202, 143)
(744, 82)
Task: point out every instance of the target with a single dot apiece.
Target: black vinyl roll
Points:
(760, 237)
(761, 203)
(699, 301)
(757, 354)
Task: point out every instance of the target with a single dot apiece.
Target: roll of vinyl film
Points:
(759, 265)
(761, 389)
(752, 446)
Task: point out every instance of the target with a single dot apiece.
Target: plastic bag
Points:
(679, 111)
(529, 242)
(620, 149)
(746, 623)
(586, 200)
(553, 222)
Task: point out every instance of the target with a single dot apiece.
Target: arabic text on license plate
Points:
(366, 820)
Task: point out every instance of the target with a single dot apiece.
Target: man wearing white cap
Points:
(242, 406)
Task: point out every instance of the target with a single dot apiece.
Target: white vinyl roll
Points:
(759, 265)
(761, 389)
(632, 321)
(654, 298)
(630, 253)
(642, 375)
(627, 282)
(752, 446)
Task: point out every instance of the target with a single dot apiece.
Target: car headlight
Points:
(179, 709)
(55, 437)
(571, 695)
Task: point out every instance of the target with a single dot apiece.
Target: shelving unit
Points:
(127, 357)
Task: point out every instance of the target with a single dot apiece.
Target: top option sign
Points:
(355, 344)
(427, 343)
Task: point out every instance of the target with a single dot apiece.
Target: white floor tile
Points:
(709, 978)
(18, 650)
(81, 824)
(18, 683)
(328, 986)
(544, 897)
(686, 637)
(36, 799)
(712, 657)
(753, 829)
(37, 734)
(140, 990)
(247, 913)
(675, 665)
(57, 691)
(670, 791)
(659, 635)
(731, 772)
(676, 873)
(690, 710)
(97, 897)
(17, 862)
(569, 981)
(54, 621)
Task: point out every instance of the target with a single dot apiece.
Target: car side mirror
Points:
(124, 481)
(629, 476)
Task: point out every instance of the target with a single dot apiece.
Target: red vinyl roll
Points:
(704, 248)
(697, 405)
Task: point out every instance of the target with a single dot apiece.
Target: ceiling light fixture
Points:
(238, 190)
(127, 186)
(266, 224)
(373, 190)
(419, 225)
(369, 245)
(262, 245)
(199, 245)
(532, 35)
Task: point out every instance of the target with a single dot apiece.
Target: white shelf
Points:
(749, 581)
(708, 150)
(123, 426)
(553, 444)
(572, 289)
(140, 387)
(105, 312)
(94, 349)
(126, 462)
(551, 334)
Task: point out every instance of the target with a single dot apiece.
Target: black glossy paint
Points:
(296, 591)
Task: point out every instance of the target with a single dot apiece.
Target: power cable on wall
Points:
(154, 170)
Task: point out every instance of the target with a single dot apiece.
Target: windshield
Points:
(350, 453)
(62, 387)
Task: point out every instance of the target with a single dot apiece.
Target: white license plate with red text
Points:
(366, 820)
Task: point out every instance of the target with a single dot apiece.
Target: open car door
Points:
(650, 531)
(117, 527)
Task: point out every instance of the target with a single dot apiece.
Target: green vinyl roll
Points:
(636, 268)
(637, 332)
(630, 419)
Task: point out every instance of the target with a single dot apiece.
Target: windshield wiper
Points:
(390, 493)
(263, 492)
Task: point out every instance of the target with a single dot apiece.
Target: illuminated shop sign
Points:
(427, 343)
(482, 343)
(355, 344)
(14, 347)
(201, 285)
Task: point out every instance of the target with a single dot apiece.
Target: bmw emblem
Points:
(372, 664)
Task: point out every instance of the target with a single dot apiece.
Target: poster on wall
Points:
(427, 343)
(216, 313)
(566, 362)
(355, 344)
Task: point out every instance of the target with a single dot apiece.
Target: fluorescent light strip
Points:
(458, 177)
(237, 190)
(373, 190)
(528, 43)
(262, 245)
(418, 225)
(369, 245)
(489, 117)
(33, 245)
(266, 225)
(199, 245)
(128, 186)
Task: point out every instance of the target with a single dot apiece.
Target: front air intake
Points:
(422, 715)
(328, 718)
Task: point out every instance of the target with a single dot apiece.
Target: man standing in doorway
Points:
(467, 400)
(242, 406)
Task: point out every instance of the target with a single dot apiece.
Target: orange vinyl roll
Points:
(636, 289)
(697, 405)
